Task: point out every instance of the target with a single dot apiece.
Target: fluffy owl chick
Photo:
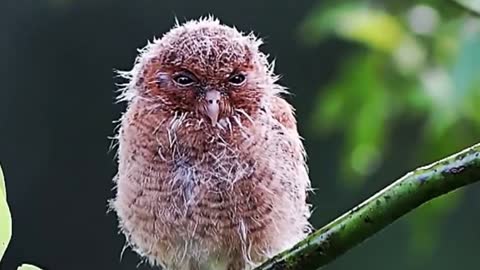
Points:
(212, 169)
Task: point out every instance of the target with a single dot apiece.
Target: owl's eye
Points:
(237, 79)
(183, 80)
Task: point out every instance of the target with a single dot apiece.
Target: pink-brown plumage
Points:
(212, 170)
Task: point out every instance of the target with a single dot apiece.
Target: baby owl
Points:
(211, 168)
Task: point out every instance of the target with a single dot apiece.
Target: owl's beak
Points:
(213, 105)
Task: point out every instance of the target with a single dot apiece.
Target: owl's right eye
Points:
(183, 80)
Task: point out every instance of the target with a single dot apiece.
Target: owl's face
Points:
(214, 96)
(210, 70)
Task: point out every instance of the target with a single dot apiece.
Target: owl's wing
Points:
(290, 161)
(283, 112)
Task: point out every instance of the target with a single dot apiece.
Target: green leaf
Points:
(5, 218)
(374, 28)
(471, 5)
(466, 69)
(28, 267)
(358, 102)
(3, 190)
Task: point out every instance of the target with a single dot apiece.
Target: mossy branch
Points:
(371, 216)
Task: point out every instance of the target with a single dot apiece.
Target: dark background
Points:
(57, 104)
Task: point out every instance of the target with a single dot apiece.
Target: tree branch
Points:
(371, 216)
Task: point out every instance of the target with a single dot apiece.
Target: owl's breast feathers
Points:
(186, 189)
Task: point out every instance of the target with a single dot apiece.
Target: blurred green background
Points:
(380, 87)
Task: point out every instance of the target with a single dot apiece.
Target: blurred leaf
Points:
(471, 5)
(3, 190)
(422, 19)
(356, 22)
(367, 132)
(330, 109)
(466, 69)
(358, 102)
(438, 87)
(339, 100)
(5, 218)
(416, 102)
(28, 267)
(410, 56)
(452, 92)
(473, 103)
(445, 42)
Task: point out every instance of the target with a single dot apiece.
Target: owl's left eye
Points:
(183, 80)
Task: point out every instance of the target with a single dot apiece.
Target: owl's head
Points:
(204, 68)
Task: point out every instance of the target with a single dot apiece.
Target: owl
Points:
(211, 168)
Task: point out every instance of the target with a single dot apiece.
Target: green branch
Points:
(366, 219)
